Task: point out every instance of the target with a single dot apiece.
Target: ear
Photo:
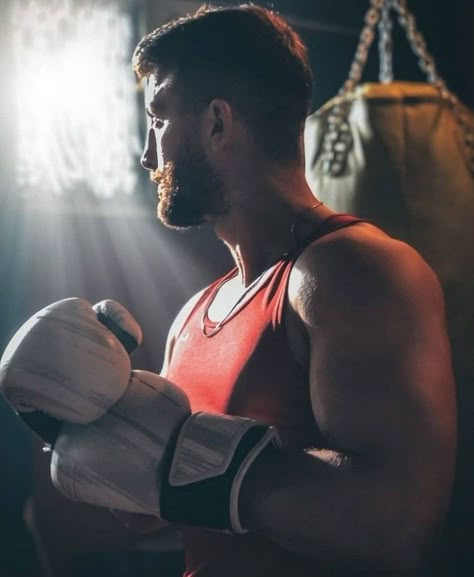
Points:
(218, 124)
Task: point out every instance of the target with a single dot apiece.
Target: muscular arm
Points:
(382, 394)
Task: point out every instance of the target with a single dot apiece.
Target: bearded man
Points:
(318, 436)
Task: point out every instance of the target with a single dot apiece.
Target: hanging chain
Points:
(386, 44)
(367, 35)
(418, 45)
(427, 64)
(337, 139)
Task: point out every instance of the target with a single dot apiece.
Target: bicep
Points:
(380, 379)
(381, 383)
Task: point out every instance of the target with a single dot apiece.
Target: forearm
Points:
(332, 509)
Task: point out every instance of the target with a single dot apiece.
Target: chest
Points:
(226, 298)
(231, 296)
(247, 367)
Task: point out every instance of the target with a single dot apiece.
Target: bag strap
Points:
(337, 138)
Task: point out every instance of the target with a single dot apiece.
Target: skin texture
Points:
(365, 313)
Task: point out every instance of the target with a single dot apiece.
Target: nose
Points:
(149, 159)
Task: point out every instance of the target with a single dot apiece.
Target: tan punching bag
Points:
(402, 155)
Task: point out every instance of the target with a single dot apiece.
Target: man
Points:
(349, 360)
(328, 337)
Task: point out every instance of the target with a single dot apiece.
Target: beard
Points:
(190, 192)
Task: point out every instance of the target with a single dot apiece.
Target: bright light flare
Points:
(76, 98)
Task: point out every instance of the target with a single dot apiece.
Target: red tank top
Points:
(244, 366)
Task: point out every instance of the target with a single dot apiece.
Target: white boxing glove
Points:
(148, 454)
(119, 460)
(65, 363)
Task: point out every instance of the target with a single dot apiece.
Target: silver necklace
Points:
(210, 332)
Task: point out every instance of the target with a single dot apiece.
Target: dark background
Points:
(46, 255)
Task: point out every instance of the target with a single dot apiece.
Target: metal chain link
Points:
(427, 64)
(337, 140)
(418, 45)
(367, 36)
(386, 44)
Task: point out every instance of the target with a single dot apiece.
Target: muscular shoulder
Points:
(359, 269)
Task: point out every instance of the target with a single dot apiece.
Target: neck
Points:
(266, 219)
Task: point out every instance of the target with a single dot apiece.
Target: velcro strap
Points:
(206, 446)
(212, 455)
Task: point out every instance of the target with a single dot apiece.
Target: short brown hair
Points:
(245, 54)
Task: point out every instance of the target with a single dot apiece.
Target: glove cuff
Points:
(212, 456)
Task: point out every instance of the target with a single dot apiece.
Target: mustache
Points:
(156, 176)
(164, 176)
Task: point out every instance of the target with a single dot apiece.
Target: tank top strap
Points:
(281, 279)
(328, 225)
(272, 286)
